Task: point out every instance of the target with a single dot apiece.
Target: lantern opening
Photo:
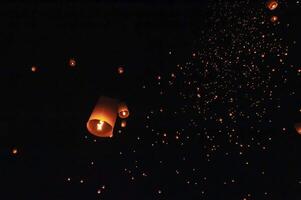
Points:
(99, 128)
(272, 4)
(124, 113)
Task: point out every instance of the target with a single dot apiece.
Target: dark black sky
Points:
(44, 114)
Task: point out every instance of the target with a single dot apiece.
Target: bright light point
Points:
(14, 151)
(100, 125)
(33, 68)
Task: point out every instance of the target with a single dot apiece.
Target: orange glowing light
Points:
(102, 120)
(123, 123)
(298, 127)
(72, 62)
(123, 110)
(14, 151)
(100, 125)
(272, 4)
(34, 68)
(120, 70)
(274, 18)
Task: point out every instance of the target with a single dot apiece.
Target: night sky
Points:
(213, 90)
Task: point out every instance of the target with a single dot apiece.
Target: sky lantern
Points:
(298, 127)
(120, 70)
(72, 62)
(123, 111)
(274, 19)
(272, 4)
(123, 123)
(33, 68)
(102, 120)
(14, 151)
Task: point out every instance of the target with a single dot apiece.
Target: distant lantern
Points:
(34, 69)
(123, 111)
(272, 4)
(298, 127)
(274, 19)
(120, 70)
(123, 123)
(102, 120)
(14, 151)
(72, 62)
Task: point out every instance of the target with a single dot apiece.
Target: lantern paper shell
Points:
(298, 127)
(102, 120)
(272, 4)
(123, 111)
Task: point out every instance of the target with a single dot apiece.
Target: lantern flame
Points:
(100, 125)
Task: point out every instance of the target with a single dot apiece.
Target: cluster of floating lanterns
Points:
(71, 63)
(103, 118)
(272, 5)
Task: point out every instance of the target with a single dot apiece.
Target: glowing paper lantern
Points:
(298, 127)
(120, 70)
(14, 151)
(34, 69)
(272, 4)
(123, 111)
(123, 123)
(72, 62)
(274, 19)
(102, 120)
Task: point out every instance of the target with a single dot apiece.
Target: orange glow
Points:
(123, 123)
(34, 68)
(14, 151)
(123, 110)
(72, 62)
(120, 70)
(100, 125)
(274, 18)
(102, 120)
(298, 128)
(272, 4)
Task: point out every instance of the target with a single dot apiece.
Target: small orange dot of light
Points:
(72, 62)
(274, 18)
(15, 151)
(33, 68)
(120, 70)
